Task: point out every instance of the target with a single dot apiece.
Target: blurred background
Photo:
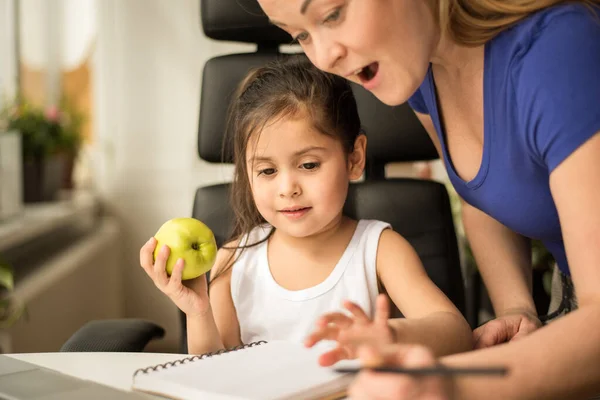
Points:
(99, 105)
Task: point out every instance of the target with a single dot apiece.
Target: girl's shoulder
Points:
(231, 252)
(368, 225)
(256, 235)
(370, 231)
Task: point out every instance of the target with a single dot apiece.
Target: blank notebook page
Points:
(274, 370)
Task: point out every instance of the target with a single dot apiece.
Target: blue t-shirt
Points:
(541, 102)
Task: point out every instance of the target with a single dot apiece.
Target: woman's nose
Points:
(327, 53)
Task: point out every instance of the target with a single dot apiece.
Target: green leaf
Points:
(10, 312)
(6, 276)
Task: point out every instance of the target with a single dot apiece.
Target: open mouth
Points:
(365, 74)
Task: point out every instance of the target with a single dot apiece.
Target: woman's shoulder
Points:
(567, 10)
(564, 24)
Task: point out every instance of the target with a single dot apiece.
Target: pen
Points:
(430, 370)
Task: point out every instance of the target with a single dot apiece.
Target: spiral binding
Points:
(188, 360)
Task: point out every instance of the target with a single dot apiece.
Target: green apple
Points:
(191, 240)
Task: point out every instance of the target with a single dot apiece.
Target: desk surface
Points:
(111, 369)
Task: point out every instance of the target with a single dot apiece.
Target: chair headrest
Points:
(393, 133)
(239, 21)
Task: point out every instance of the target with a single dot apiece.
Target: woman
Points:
(509, 91)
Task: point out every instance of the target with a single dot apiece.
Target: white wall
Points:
(8, 70)
(147, 72)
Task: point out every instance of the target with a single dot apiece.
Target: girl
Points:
(294, 256)
(508, 91)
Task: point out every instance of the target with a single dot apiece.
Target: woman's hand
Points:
(380, 385)
(352, 331)
(510, 326)
(191, 298)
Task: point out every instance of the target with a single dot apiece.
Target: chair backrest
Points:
(417, 209)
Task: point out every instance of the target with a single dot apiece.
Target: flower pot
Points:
(69, 165)
(42, 178)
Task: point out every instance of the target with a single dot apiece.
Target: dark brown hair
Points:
(283, 88)
(475, 22)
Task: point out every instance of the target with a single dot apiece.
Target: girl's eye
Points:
(334, 16)
(301, 37)
(310, 165)
(266, 171)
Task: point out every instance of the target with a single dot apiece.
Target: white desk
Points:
(111, 369)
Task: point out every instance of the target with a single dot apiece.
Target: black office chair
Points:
(417, 209)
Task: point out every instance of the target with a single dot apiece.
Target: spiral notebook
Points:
(274, 370)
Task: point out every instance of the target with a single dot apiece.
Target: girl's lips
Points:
(296, 213)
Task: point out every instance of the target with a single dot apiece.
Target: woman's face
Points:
(384, 45)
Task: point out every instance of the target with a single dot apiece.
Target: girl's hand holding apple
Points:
(192, 298)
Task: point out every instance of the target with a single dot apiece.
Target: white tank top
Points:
(267, 311)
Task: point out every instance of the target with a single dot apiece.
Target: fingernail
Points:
(150, 240)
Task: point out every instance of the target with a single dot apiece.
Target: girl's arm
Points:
(218, 328)
(430, 317)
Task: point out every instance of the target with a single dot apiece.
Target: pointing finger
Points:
(382, 310)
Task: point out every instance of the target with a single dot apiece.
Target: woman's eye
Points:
(334, 16)
(301, 37)
(310, 165)
(266, 171)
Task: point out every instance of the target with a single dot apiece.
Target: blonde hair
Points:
(475, 22)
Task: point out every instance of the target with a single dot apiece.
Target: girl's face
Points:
(299, 176)
(384, 45)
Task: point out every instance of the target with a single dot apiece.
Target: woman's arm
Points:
(219, 327)
(503, 259)
(430, 315)
(560, 360)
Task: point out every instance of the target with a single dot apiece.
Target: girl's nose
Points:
(289, 186)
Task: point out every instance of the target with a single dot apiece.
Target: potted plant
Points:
(70, 138)
(10, 310)
(50, 143)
